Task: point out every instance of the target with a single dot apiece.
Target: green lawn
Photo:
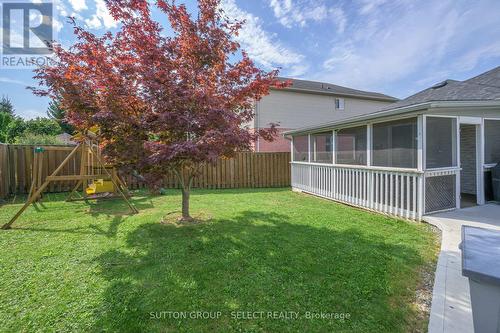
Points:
(92, 267)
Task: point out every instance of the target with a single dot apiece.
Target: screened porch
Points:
(406, 167)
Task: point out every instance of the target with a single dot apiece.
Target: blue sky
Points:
(397, 47)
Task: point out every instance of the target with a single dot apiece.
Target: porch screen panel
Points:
(395, 144)
(321, 148)
(441, 146)
(301, 148)
(491, 141)
(351, 146)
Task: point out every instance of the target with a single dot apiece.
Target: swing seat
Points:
(100, 186)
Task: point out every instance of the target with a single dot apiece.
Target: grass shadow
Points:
(114, 210)
(255, 261)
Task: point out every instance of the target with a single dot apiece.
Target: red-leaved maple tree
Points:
(163, 101)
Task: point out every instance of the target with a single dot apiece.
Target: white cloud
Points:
(472, 58)
(16, 38)
(290, 13)
(103, 13)
(296, 71)
(424, 41)
(101, 18)
(78, 5)
(31, 113)
(61, 9)
(369, 6)
(13, 81)
(262, 46)
(57, 25)
(94, 22)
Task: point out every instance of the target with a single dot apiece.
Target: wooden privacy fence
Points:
(246, 170)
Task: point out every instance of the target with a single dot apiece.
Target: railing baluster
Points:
(346, 183)
(391, 193)
(396, 195)
(367, 188)
(407, 196)
(360, 188)
(370, 189)
(386, 199)
(334, 187)
(353, 196)
(402, 194)
(351, 186)
(355, 187)
(349, 189)
(414, 210)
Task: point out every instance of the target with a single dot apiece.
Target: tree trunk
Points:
(185, 204)
(186, 180)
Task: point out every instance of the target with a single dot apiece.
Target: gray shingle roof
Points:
(489, 78)
(332, 89)
(483, 87)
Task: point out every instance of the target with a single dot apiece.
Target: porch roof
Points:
(401, 111)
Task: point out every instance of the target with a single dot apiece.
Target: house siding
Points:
(291, 110)
(295, 109)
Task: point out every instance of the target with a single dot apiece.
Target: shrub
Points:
(38, 139)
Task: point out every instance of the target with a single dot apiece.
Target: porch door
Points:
(468, 165)
(471, 176)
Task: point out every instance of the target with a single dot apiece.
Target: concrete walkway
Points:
(451, 310)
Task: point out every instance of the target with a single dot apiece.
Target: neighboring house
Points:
(429, 152)
(66, 139)
(307, 103)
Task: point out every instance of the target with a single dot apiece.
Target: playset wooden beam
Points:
(87, 155)
(73, 191)
(37, 193)
(77, 177)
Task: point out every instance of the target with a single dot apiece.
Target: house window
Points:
(351, 146)
(395, 144)
(339, 104)
(321, 148)
(441, 142)
(301, 148)
(491, 141)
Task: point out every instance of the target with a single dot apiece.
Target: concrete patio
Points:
(451, 309)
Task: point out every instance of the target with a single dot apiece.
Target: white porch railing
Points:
(392, 191)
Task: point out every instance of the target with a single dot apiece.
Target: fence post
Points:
(4, 171)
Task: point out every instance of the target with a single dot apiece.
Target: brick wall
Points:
(468, 158)
(280, 144)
